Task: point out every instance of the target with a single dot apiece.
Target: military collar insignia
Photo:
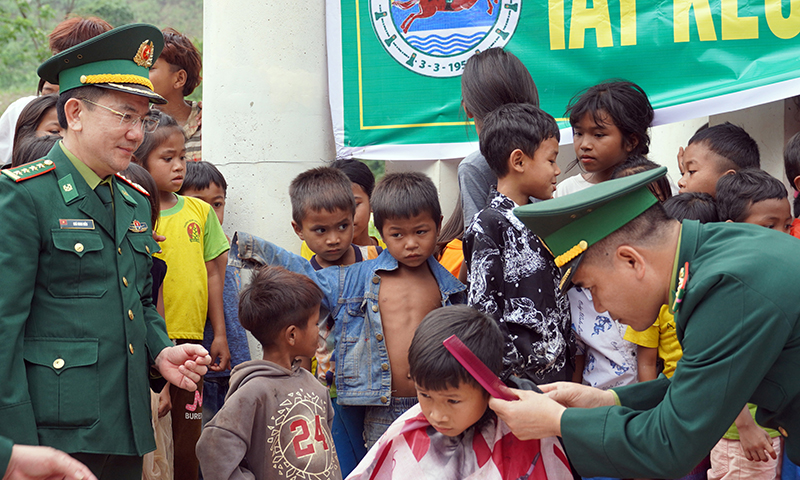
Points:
(30, 170)
(144, 56)
(138, 227)
(66, 186)
(683, 279)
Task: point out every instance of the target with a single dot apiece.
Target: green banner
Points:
(395, 67)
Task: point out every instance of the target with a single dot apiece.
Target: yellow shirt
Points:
(661, 335)
(194, 237)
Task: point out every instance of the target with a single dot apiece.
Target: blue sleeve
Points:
(253, 252)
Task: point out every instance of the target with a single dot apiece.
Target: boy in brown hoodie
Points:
(276, 420)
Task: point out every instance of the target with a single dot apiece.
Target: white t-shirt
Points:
(8, 123)
(610, 359)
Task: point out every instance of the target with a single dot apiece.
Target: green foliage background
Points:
(25, 24)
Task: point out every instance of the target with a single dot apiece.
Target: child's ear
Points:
(729, 221)
(298, 229)
(796, 182)
(516, 161)
(631, 143)
(291, 334)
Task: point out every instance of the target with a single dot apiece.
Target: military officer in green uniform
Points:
(79, 330)
(733, 289)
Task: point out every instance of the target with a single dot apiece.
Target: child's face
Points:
(167, 163)
(599, 146)
(411, 240)
(363, 210)
(453, 410)
(213, 195)
(539, 177)
(773, 213)
(327, 234)
(306, 339)
(701, 169)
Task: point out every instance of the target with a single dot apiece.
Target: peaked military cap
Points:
(119, 59)
(569, 225)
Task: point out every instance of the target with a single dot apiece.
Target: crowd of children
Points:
(354, 379)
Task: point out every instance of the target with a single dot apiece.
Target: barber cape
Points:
(412, 448)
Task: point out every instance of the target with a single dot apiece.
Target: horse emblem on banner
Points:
(435, 38)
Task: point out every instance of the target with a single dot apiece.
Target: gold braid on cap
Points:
(573, 252)
(117, 78)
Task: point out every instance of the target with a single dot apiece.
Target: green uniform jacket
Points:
(738, 325)
(76, 314)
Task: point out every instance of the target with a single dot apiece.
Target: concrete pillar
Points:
(266, 115)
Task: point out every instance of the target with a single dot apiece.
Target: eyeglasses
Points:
(147, 124)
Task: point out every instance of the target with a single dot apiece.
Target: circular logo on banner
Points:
(435, 38)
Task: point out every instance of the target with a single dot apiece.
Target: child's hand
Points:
(220, 354)
(158, 238)
(756, 443)
(164, 401)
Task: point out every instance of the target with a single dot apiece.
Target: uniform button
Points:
(147, 248)
(376, 279)
(384, 366)
(130, 347)
(379, 337)
(375, 307)
(58, 364)
(130, 314)
(125, 281)
(48, 162)
(384, 400)
(79, 247)
(119, 250)
(783, 431)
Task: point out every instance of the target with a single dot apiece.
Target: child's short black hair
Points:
(732, 143)
(791, 164)
(433, 367)
(275, 299)
(322, 188)
(737, 192)
(166, 127)
(625, 103)
(791, 159)
(200, 175)
(692, 206)
(405, 195)
(514, 126)
(639, 163)
(358, 173)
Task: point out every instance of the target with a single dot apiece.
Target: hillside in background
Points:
(24, 25)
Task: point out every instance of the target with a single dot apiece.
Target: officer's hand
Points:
(44, 463)
(531, 417)
(571, 394)
(183, 365)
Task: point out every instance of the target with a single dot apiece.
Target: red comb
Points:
(478, 369)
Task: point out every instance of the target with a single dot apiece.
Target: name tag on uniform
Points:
(87, 224)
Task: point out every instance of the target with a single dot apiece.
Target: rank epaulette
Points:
(30, 170)
(135, 185)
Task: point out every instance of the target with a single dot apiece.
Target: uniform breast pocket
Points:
(76, 264)
(63, 381)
